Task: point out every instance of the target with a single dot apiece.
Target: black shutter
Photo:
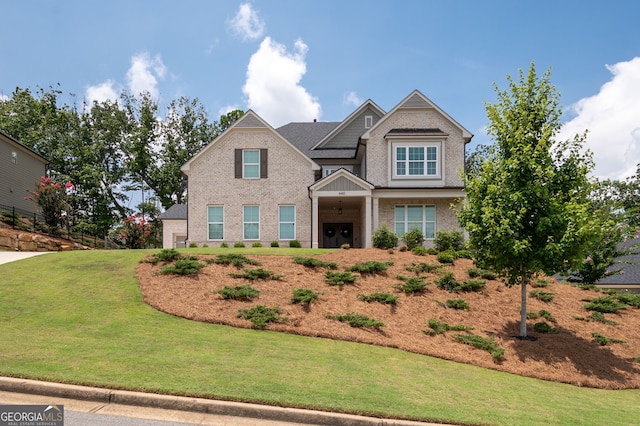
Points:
(263, 164)
(238, 163)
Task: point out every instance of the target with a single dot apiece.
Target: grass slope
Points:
(78, 317)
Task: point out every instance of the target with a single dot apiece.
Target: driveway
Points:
(11, 256)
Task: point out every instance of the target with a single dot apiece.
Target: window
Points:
(251, 164)
(416, 161)
(327, 172)
(14, 157)
(251, 222)
(368, 121)
(416, 217)
(287, 223)
(215, 222)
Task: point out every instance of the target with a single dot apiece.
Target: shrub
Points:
(605, 305)
(542, 327)
(240, 292)
(345, 246)
(541, 283)
(275, 244)
(193, 245)
(257, 244)
(629, 299)
(312, 262)
(447, 282)
(422, 267)
(370, 267)
(446, 257)
(339, 278)
(419, 251)
(543, 296)
(597, 317)
(239, 245)
(449, 240)
(257, 274)
(384, 298)
(357, 320)
(482, 273)
(483, 343)
(238, 260)
(432, 251)
(165, 255)
(470, 285)
(463, 254)
(603, 341)
(295, 244)
(546, 315)
(384, 238)
(183, 267)
(304, 296)
(438, 327)
(205, 246)
(413, 238)
(224, 245)
(411, 285)
(457, 304)
(403, 248)
(261, 315)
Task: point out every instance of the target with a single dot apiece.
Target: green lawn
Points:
(78, 317)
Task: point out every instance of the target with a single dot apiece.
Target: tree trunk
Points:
(523, 311)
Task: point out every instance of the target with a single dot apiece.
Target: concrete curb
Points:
(199, 405)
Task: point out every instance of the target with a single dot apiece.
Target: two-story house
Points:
(328, 183)
(20, 170)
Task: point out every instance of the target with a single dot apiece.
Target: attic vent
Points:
(368, 121)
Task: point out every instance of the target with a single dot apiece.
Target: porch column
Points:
(314, 221)
(376, 213)
(367, 222)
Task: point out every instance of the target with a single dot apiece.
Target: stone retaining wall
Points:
(16, 240)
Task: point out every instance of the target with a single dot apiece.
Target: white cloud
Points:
(109, 90)
(3, 98)
(612, 118)
(273, 87)
(247, 24)
(227, 109)
(144, 73)
(352, 99)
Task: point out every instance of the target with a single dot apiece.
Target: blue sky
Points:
(296, 60)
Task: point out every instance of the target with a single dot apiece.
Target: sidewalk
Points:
(11, 256)
(139, 404)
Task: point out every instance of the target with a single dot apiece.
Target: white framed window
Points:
(328, 171)
(251, 222)
(14, 157)
(422, 217)
(416, 160)
(368, 121)
(251, 164)
(215, 222)
(287, 222)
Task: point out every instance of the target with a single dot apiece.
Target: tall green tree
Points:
(527, 209)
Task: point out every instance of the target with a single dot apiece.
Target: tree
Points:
(527, 210)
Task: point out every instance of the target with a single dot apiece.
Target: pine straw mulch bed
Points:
(570, 355)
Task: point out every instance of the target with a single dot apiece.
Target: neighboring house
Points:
(174, 226)
(20, 170)
(627, 266)
(328, 184)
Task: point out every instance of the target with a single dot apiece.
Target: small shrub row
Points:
(439, 327)
(257, 274)
(482, 273)
(312, 262)
(603, 341)
(379, 297)
(605, 305)
(422, 267)
(357, 320)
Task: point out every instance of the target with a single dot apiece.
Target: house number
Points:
(341, 193)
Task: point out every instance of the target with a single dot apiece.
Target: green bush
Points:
(384, 238)
(470, 285)
(295, 244)
(605, 305)
(240, 292)
(312, 262)
(165, 255)
(339, 278)
(183, 267)
(543, 296)
(457, 304)
(463, 254)
(482, 273)
(603, 341)
(238, 260)
(411, 285)
(413, 238)
(239, 245)
(193, 245)
(542, 327)
(419, 251)
(275, 244)
(447, 282)
(438, 327)
(304, 296)
(541, 283)
(449, 240)
(357, 320)
(384, 298)
(257, 244)
(224, 245)
(546, 315)
(422, 267)
(260, 316)
(370, 267)
(432, 251)
(483, 343)
(629, 299)
(446, 257)
(257, 274)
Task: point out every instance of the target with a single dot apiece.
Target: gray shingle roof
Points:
(628, 264)
(177, 211)
(305, 136)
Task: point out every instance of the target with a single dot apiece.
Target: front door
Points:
(335, 235)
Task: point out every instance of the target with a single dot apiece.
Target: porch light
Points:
(340, 208)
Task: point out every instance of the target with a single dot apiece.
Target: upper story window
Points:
(251, 163)
(416, 160)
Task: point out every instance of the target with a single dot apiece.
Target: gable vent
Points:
(250, 121)
(342, 184)
(416, 101)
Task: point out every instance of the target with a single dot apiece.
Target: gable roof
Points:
(345, 180)
(347, 121)
(8, 138)
(419, 101)
(250, 120)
